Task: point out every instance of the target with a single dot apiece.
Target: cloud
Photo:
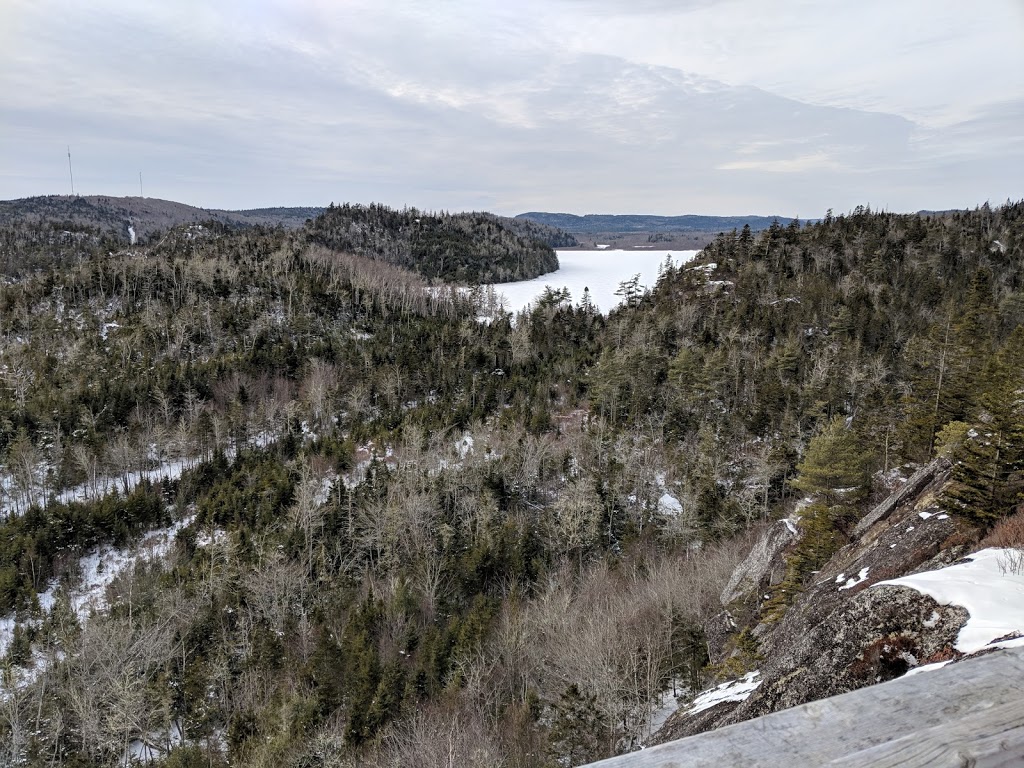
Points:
(816, 161)
(935, 62)
(580, 105)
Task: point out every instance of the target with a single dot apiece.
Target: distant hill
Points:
(39, 232)
(147, 215)
(606, 223)
(289, 218)
(461, 248)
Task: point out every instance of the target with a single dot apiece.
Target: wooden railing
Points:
(965, 714)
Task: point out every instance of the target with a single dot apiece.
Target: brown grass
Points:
(946, 653)
(884, 659)
(958, 539)
(1008, 532)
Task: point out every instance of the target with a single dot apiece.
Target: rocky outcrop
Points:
(877, 635)
(764, 565)
(841, 634)
(917, 483)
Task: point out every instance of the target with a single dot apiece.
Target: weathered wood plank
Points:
(985, 692)
(993, 738)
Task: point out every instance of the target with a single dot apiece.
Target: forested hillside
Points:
(595, 223)
(461, 248)
(147, 216)
(396, 536)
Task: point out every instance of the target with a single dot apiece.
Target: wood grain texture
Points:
(993, 737)
(966, 714)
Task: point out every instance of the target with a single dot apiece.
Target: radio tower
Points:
(140, 185)
(72, 173)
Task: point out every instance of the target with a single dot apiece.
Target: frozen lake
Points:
(600, 271)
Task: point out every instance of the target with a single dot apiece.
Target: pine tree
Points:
(631, 291)
(834, 464)
(576, 728)
(987, 481)
(818, 541)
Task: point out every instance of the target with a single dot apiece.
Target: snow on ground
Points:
(734, 690)
(806, 501)
(601, 271)
(122, 483)
(104, 486)
(154, 746)
(669, 505)
(853, 581)
(99, 568)
(664, 706)
(6, 632)
(988, 587)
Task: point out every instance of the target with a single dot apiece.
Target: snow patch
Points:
(98, 570)
(804, 502)
(927, 668)
(734, 690)
(992, 594)
(669, 505)
(854, 581)
(664, 706)
(155, 746)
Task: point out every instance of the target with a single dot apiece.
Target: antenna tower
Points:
(140, 185)
(71, 172)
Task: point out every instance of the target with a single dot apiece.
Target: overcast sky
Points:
(586, 106)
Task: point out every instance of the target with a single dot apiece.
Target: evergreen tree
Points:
(834, 464)
(818, 541)
(576, 728)
(987, 481)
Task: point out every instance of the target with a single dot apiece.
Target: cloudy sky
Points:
(586, 106)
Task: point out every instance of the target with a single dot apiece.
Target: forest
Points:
(395, 535)
(463, 248)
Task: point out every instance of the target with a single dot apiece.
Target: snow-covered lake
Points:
(600, 271)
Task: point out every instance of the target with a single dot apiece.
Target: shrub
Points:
(1008, 532)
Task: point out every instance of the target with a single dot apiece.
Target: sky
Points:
(717, 107)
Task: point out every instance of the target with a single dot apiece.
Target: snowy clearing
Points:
(600, 271)
(13, 503)
(988, 588)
